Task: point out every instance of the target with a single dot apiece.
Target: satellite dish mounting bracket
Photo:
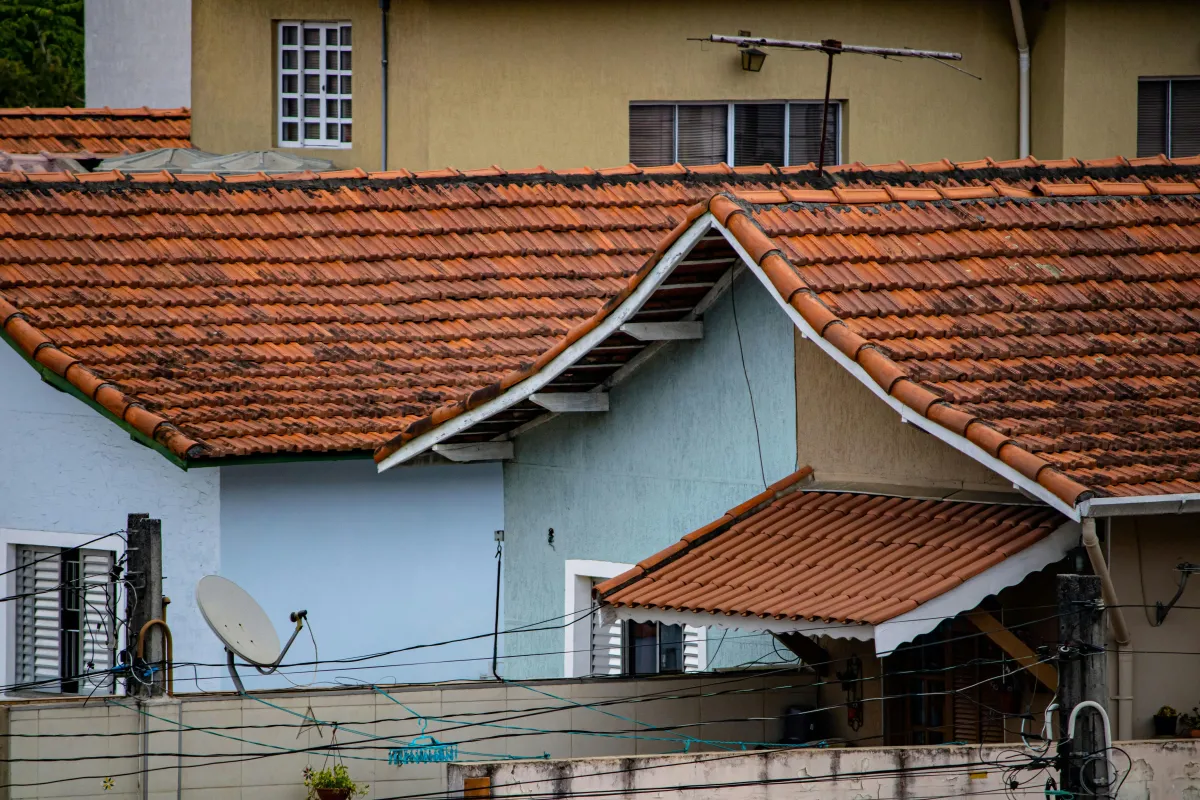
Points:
(297, 617)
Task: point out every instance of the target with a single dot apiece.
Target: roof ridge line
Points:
(895, 380)
(776, 491)
(38, 347)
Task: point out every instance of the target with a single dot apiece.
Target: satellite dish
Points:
(242, 626)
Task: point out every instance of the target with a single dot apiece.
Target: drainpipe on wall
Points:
(384, 7)
(1120, 631)
(1022, 76)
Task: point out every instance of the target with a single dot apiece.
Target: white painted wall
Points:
(68, 470)
(138, 53)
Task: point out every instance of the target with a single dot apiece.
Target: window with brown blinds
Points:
(781, 134)
(1168, 117)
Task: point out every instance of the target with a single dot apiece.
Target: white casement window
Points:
(595, 646)
(65, 620)
(315, 108)
(1168, 117)
(692, 134)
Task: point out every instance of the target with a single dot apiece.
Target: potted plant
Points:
(332, 783)
(1165, 721)
(1189, 724)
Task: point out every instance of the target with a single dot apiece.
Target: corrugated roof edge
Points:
(733, 516)
(100, 111)
(38, 348)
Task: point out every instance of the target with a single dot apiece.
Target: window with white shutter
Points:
(65, 612)
(606, 644)
(315, 99)
(692, 134)
(1168, 117)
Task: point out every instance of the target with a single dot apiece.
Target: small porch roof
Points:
(798, 559)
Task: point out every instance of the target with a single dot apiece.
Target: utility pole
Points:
(1082, 675)
(143, 603)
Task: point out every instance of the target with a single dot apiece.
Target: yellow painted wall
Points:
(546, 82)
(1047, 33)
(847, 433)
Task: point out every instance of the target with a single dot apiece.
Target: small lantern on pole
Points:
(752, 57)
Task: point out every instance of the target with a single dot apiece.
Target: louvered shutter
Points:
(1185, 119)
(695, 647)
(1152, 118)
(965, 700)
(38, 621)
(758, 134)
(606, 644)
(99, 612)
(804, 135)
(703, 135)
(651, 135)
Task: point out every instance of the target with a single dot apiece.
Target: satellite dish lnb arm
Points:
(297, 617)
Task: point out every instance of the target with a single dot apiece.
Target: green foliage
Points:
(1190, 722)
(41, 53)
(336, 778)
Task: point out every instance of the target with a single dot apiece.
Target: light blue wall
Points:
(66, 469)
(676, 450)
(380, 561)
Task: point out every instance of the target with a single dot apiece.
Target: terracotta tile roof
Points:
(829, 556)
(313, 313)
(93, 131)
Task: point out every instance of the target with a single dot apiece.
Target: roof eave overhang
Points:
(960, 443)
(892, 633)
(677, 252)
(1141, 505)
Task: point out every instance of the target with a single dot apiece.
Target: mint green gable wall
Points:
(676, 450)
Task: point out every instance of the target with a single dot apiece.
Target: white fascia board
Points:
(467, 452)
(960, 443)
(838, 630)
(665, 266)
(1135, 506)
(970, 593)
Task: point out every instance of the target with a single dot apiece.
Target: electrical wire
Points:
(746, 374)
(62, 550)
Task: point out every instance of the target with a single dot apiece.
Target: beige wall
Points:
(546, 82)
(847, 433)
(1145, 551)
(736, 705)
(1087, 58)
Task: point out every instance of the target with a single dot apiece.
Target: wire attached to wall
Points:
(746, 374)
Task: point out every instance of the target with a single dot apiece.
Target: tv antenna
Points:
(242, 626)
(831, 48)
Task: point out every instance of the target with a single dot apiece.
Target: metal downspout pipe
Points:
(1120, 631)
(1022, 76)
(384, 7)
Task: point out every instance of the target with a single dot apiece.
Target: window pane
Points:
(331, 36)
(1152, 118)
(651, 135)
(643, 643)
(346, 133)
(290, 131)
(291, 84)
(346, 110)
(805, 139)
(312, 59)
(312, 37)
(290, 107)
(312, 130)
(758, 134)
(1185, 118)
(345, 84)
(345, 36)
(289, 34)
(331, 108)
(312, 108)
(291, 59)
(331, 131)
(312, 84)
(346, 59)
(670, 648)
(331, 59)
(702, 135)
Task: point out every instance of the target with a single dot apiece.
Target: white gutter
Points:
(1144, 504)
(960, 443)
(1022, 76)
(659, 273)
(1120, 631)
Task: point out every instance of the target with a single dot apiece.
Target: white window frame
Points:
(344, 101)
(10, 540)
(577, 635)
(835, 106)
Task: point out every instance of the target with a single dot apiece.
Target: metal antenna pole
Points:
(832, 49)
